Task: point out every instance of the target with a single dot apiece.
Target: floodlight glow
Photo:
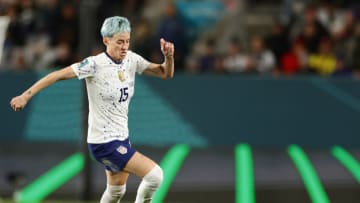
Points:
(170, 164)
(348, 161)
(50, 181)
(245, 192)
(308, 175)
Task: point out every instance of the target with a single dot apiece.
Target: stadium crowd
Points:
(322, 38)
(46, 33)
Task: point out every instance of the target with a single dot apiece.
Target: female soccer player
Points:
(110, 79)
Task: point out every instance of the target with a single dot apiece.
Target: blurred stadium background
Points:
(264, 106)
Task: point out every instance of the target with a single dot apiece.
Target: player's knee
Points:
(159, 176)
(155, 177)
(117, 191)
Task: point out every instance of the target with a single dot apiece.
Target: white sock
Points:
(113, 193)
(149, 184)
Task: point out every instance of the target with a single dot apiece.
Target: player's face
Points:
(117, 45)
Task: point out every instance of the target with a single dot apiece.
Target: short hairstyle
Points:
(114, 25)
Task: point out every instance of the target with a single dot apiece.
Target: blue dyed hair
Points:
(114, 25)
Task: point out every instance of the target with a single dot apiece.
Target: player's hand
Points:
(167, 48)
(18, 103)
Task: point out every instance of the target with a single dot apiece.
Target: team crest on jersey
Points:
(121, 75)
(122, 150)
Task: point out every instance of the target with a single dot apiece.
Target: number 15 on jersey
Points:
(124, 94)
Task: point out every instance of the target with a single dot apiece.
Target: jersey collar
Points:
(113, 60)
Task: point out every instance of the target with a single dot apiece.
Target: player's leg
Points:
(115, 187)
(113, 156)
(150, 173)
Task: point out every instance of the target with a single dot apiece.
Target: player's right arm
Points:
(19, 102)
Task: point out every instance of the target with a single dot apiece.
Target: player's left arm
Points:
(166, 69)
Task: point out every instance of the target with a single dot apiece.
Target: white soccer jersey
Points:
(110, 86)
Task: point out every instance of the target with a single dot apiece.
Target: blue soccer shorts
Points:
(113, 155)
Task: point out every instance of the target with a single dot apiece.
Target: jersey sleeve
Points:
(85, 68)
(141, 63)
